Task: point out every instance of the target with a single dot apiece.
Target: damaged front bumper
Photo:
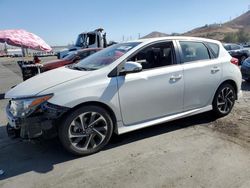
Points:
(41, 123)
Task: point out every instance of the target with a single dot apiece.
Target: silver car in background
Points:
(125, 87)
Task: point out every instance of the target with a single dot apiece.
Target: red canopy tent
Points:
(23, 39)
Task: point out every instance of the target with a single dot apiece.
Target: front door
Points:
(155, 92)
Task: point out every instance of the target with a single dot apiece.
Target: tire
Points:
(86, 130)
(224, 100)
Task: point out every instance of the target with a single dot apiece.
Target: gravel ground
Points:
(197, 151)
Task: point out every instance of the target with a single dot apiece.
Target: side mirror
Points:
(131, 67)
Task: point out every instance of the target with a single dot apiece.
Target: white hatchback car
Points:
(122, 88)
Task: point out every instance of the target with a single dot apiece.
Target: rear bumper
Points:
(239, 94)
(42, 123)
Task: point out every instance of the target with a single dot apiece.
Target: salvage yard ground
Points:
(198, 151)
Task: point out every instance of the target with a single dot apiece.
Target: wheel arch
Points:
(96, 103)
(232, 83)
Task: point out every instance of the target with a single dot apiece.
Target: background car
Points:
(237, 51)
(245, 70)
(71, 58)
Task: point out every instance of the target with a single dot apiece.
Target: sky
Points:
(59, 22)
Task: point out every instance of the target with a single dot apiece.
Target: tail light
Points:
(235, 61)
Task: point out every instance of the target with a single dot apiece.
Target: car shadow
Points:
(20, 157)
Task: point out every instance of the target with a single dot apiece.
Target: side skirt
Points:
(124, 129)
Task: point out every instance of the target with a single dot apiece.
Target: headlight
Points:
(25, 106)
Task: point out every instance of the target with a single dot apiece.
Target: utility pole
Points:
(139, 35)
(5, 48)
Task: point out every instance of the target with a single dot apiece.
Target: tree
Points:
(230, 37)
(243, 36)
(238, 37)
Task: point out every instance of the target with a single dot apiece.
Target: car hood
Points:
(58, 61)
(41, 82)
(54, 64)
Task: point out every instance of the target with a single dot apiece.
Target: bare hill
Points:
(218, 31)
(215, 31)
(155, 34)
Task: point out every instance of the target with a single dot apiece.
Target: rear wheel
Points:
(224, 100)
(86, 130)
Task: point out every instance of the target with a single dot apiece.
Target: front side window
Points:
(194, 51)
(156, 55)
(105, 57)
(91, 39)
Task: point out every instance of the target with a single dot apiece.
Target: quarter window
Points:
(215, 49)
(194, 51)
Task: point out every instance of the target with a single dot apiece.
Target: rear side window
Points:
(194, 51)
(214, 48)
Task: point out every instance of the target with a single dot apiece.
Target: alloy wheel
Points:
(87, 131)
(225, 100)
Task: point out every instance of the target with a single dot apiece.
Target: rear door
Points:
(202, 72)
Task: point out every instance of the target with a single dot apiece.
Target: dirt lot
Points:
(198, 151)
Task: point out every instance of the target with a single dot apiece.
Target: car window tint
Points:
(235, 47)
(194, 51)
(156, 55)
(215, 49)
(92, 52)
(227, 47)
(83, 54)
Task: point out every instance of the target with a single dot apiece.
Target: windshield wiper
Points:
(79, 68)
(82, 68)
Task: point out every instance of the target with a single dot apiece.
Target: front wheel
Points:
(224, 100)
(86, 130)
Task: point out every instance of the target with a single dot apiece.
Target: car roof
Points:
(148, 40)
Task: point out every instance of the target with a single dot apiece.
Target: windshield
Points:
(80, 41)
(105, 57)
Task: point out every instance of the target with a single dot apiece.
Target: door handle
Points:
(215, 69)
(175, 77)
